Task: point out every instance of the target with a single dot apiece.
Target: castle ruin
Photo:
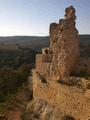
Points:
(62, 58)
(58, 62)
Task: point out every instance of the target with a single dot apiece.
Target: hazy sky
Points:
(32, 17)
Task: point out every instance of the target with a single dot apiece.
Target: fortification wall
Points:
(39, 63)
(43, 65)
(69, 100)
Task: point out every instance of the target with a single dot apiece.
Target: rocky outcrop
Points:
(42, 110)
(71, 98)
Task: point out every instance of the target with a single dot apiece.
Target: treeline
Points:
(14, 59)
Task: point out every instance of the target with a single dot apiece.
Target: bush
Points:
(11, 79)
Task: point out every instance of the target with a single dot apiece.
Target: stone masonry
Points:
(64, 44)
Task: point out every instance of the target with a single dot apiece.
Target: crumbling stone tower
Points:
(64, 44)
(60, 58)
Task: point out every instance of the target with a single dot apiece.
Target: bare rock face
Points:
(42, 110)
(64, 44)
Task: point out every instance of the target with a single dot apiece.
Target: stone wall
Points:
(43, 63)
(39, 62)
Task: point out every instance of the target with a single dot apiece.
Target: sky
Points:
(33, 17)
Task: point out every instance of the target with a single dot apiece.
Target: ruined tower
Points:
(63, 53)
(64, 44)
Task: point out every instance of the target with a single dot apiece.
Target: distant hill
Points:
(84, 39)
(34, 42)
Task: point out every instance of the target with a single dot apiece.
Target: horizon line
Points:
(33, 35)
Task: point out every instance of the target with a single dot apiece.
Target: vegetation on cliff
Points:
(15, 67)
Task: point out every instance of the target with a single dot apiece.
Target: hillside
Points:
(85, 39)
(33, 42)
(15, 67)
